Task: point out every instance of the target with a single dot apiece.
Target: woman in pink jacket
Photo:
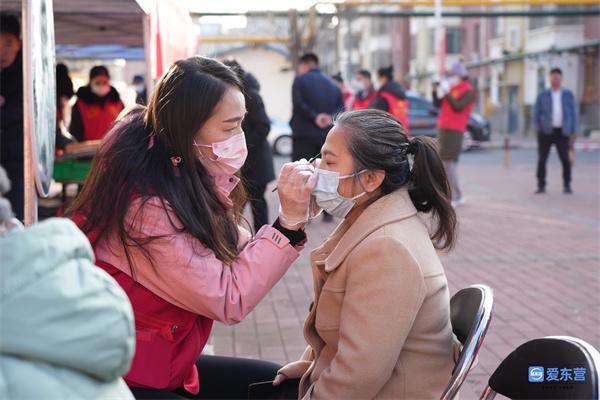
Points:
(162, 208)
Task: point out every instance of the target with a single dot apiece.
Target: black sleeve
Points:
(462, 102)
(437, 102)
(11, 113)
(295, 237)
(76, 128)
(257, 120)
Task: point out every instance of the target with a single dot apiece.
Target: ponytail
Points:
(377, 141)
(430, 191)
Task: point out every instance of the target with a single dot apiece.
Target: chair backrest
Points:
(554, 367)
(470, 313)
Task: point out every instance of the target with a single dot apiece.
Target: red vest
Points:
(398, 108)
(364, 103)
(455, 120)
(97, 119)
(169, 339)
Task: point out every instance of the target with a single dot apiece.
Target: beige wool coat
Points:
(379, 326)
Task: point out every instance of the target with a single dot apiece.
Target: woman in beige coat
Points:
(379, 326)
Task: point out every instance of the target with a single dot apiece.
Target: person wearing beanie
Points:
(98, 105)
(455, 97)
(11, 110)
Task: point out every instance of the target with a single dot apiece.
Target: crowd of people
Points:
(316, 101)
(121, 295)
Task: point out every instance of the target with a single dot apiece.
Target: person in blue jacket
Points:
(555, 115)
(315, 99)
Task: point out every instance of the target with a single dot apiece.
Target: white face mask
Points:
(356, 85)
(327, 196)
(231, 155)
(454, 80)
(100, 90)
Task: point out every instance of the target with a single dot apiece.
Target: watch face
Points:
(39, 84)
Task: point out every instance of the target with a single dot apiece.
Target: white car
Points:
(280, 138)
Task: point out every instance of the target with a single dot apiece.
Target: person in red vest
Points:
(455, 96)
(367, 92)
(391, 97)
(347, 92)
(98, 105)
(162, 208)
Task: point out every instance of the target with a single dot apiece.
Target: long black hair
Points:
(377, 141)
(134, 161)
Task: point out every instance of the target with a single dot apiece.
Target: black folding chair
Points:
(554, 367)
(470, 313)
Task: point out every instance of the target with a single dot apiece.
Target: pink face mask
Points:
(231, 156)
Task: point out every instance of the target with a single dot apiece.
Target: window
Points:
(513, 38)
(568, 19)
(496, 26)
(381, 58)
(453, 40)
(380, 26)
(538, 22)
(413, 47)
(418, 107)
(416, 104)
(541, 80)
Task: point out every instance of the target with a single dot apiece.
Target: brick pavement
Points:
(540, 254)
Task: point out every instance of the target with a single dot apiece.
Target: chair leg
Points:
(488, 394)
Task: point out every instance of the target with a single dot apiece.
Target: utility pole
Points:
(440, 37)
(295, 39)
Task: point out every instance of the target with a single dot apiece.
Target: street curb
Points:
(496, 145)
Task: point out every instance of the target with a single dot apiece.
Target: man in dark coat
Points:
(258, 170)
(141, 96)
(11, 110)
(316, 99)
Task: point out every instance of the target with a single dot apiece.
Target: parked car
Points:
(422, 117)
(280, 138)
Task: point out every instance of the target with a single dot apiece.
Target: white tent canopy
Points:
(131, 24)
(93, 22)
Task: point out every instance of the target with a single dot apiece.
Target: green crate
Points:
(71, 170)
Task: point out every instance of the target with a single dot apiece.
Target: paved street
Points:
(540, 254)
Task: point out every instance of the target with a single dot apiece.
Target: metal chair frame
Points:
(472, 344)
